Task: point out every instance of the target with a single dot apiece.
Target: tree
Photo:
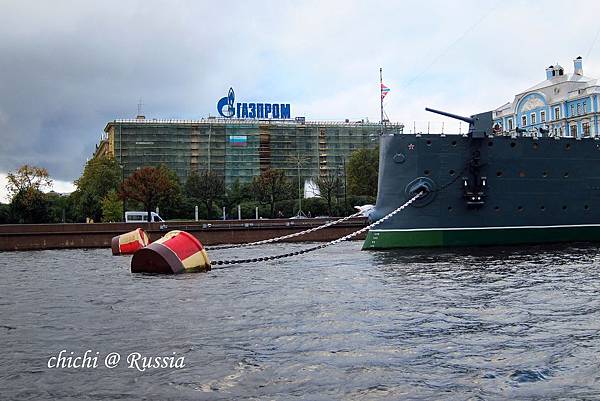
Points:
(100, 176)
(329, 186)
(4, 213)
(363, 170)
(112, 207)
(148, 185)
(29, 206)
(238, 193)
(58, 207)
(172, 202)
(28, 203)
(271, 186)
(28, 178)
(206, 187)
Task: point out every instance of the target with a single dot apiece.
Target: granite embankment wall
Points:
(17, 237)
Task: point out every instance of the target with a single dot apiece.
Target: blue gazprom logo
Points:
(226, 108)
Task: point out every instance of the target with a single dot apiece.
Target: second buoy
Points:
(130, 242)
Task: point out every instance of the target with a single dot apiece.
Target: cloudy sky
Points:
(68, 67)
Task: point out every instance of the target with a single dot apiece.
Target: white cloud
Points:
(61, 187)
(68, 70)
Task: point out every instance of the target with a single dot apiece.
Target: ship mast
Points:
(381, 95)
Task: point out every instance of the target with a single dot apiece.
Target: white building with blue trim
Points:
(563, 105)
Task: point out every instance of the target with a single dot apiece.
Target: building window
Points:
(543, 116)
(523, 121)
(573, 132)
(572, 110)
(557, 113)
(510, 124)
(586, 129)
(584, 108)
(533, 118)
(578, 109)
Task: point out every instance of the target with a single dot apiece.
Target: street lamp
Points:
(299, 160)
(343, 167)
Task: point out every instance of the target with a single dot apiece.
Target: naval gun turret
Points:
(480, 125)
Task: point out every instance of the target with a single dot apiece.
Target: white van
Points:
(139, 217)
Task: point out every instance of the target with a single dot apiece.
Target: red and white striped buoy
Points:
(176, 252)
(130, 242)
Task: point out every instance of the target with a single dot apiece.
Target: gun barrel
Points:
(465, 119)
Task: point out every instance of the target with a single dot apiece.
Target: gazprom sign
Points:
(227, 108)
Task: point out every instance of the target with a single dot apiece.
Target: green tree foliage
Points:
(363, 170)
(329, 186)
(271, 186)
(112, 207)
(149, 186)
(29, 206)
(58, 207)
(207, 187)
(4, 213)
(238, 193)
(100, 176)
(28, 203)
(173, 203)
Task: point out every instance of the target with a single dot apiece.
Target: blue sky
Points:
(68, 67)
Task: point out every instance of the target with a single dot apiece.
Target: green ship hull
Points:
(479, 236)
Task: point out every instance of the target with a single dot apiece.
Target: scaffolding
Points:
(239, 149)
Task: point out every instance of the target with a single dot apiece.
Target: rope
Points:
(321, 246)
(284, 237)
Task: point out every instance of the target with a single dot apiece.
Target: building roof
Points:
(240, 121)
(556, 88)
(567, 79)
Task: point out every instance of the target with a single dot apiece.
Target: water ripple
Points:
(339, 324)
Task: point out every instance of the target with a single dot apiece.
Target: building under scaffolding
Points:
(239, 149)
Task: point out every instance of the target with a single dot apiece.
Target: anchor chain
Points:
(284, 237)
(321, 246)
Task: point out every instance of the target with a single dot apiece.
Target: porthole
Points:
(568, 146)
(426, 172)
(498, 173)
(542, 208)
(490, 143)
(520, 208)
(496, 208)
(535, 146)
(513, 144)
(428, 142)
(449, 208)
(586, 207)
(453, 143)
(451, 172)
(545, 174)
(566, 175)
(564, 207)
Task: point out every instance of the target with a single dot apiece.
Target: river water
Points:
(333, 324)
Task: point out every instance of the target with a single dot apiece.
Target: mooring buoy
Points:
(130, 242)
(176, 252)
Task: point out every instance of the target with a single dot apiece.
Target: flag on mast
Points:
(384, 91)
